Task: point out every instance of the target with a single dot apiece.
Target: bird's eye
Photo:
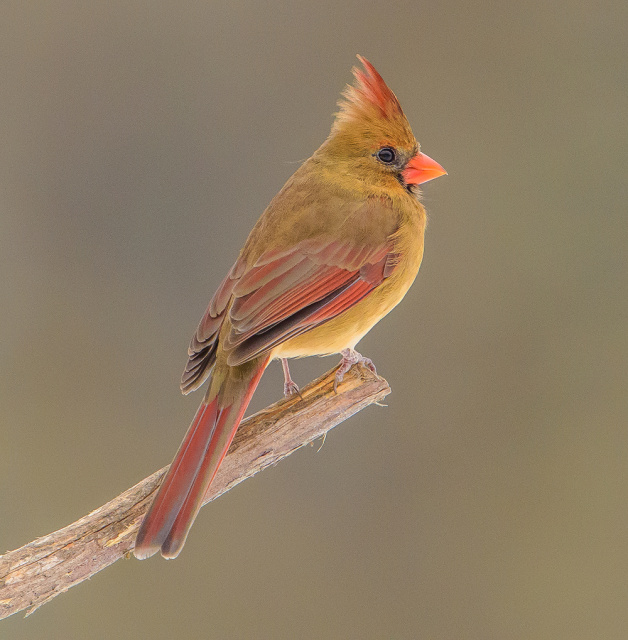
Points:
(386, 155)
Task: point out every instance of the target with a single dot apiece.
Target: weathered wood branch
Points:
(37, 572)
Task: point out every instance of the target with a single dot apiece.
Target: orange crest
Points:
(369, 92)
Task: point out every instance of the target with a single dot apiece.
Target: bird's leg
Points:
(289, 385)
(349, 358)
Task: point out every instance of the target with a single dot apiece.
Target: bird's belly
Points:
(349, 327)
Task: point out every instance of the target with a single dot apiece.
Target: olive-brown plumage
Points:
(333, 253)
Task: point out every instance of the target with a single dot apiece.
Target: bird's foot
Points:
(349, 358)
(290, 387)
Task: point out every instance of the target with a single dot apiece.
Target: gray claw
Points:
(349, 358)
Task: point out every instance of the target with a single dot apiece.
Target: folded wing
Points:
(282, 295)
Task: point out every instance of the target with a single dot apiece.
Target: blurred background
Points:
(139, 142)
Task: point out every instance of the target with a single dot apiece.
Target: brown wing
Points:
(323, 280)
(283, 295)
(202, 349)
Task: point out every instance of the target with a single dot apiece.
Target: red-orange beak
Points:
(422, 168)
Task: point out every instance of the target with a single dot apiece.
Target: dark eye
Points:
(386, 155)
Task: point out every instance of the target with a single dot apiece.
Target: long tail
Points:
(180, 496)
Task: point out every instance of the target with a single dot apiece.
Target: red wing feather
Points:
(325, 293)
(318, 285)
(283, 294)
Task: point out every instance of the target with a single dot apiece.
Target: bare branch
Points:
(48, 566)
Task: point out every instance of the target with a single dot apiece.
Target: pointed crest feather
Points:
(369, 95)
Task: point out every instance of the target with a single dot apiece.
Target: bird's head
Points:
(372, 134)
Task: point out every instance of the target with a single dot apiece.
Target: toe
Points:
(290, 389)
(368, 363)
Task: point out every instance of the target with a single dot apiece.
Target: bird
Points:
(334, 252)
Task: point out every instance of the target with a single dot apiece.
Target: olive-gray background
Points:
(139, 144)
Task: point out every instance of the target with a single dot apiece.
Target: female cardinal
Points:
(334, 252)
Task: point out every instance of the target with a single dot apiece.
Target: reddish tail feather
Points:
(181, 494)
